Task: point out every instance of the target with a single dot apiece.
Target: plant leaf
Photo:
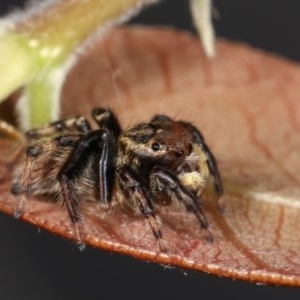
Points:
(245, 102)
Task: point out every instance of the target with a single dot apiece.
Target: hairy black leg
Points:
(69, 197)
(82, 125)
(67, 125)
(32, 153)
(88, 146)
(188, 199)
(94, 143)
(107, 120)
(21, 188)
(130, 184)
(106, 168)
(213, 167)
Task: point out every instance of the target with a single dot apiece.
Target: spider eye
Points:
(155, 146)
(143, 140)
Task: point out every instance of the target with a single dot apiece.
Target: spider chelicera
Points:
(150, 164)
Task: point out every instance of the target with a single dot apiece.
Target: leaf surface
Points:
(246, 104)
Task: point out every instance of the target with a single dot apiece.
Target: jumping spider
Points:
(149, 164)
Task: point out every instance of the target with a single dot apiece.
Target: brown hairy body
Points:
(153, 163)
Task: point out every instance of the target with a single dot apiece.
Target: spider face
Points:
(164, 141)
(149, 164)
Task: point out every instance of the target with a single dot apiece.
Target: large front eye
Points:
(155, 146)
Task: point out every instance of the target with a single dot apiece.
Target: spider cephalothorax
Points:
(151, 163)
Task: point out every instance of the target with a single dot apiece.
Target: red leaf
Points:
(245, 102)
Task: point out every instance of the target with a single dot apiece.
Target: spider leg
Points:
(107, 120)
(67, 125)
(22, 188)
(129, 182)
(189, 200)
(32, 153)
(10, 131)
(213, 167)
(94, 143)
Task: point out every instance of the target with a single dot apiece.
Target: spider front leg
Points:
(212, 165)
(171, 183)
(130, 183)
(213, 168)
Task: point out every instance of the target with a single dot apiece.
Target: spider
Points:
(150, 164)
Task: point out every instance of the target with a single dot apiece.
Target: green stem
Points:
(63, 25)
(17, 64)
(40, 44)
